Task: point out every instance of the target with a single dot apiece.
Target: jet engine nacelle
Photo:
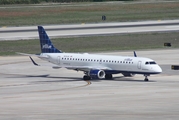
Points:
(128, 74)
(97, 74)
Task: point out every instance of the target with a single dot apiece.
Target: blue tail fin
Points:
(45, 42)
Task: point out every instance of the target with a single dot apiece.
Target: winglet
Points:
(135, 55)
(33, 61)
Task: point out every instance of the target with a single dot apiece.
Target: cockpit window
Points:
(151, 63)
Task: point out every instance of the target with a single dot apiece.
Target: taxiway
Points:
(42, 93)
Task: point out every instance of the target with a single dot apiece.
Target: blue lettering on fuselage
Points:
(128, 59)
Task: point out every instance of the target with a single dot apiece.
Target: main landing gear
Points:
(86, 77)
(146, 77)
(108, 76)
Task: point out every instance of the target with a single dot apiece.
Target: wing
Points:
(87, 68)
(77, 68)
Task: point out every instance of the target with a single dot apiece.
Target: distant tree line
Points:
(4, 2)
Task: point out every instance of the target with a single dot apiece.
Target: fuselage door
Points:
(139, 65)
(58, 60)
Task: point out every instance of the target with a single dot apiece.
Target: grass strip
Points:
(86, 13)
(95, 43)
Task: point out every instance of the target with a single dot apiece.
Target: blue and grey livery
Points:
(94, 66)
(45, 42)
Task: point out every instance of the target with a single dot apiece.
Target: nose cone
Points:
(158, 69)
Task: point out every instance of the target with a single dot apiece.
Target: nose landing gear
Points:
(146, 77)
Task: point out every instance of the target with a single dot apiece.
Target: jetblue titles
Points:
(46, 46)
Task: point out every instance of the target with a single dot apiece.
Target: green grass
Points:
(87, 13)
(95, 43)
(90, 13)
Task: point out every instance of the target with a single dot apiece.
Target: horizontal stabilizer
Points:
(33, 61)
(27, 54)
(36, 55)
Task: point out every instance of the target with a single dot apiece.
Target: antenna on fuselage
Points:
(135, 55)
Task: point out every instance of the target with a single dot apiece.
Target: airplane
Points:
(94, 66)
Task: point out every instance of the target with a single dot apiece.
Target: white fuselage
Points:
(118, 64)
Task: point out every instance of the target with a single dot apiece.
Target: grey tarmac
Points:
(41, 93)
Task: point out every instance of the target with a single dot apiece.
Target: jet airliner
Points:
(94, 66)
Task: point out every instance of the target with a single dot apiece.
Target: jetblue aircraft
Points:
(95, 66)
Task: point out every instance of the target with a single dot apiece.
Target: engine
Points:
(128, 74)
(97, 74)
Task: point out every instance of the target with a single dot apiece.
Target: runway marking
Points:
(23, 84)
(14, 85)
(39, 91)
(9, 97)
(88, 83)
(18, 85)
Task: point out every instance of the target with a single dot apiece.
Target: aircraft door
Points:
(58, 60)
(139, 65)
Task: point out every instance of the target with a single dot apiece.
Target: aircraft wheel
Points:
(108, 76)
(146, 78)
(86, 77)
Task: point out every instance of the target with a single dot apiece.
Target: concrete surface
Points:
(30, 32)
(29, 92)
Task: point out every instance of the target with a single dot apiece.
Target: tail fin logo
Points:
(46, 46)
